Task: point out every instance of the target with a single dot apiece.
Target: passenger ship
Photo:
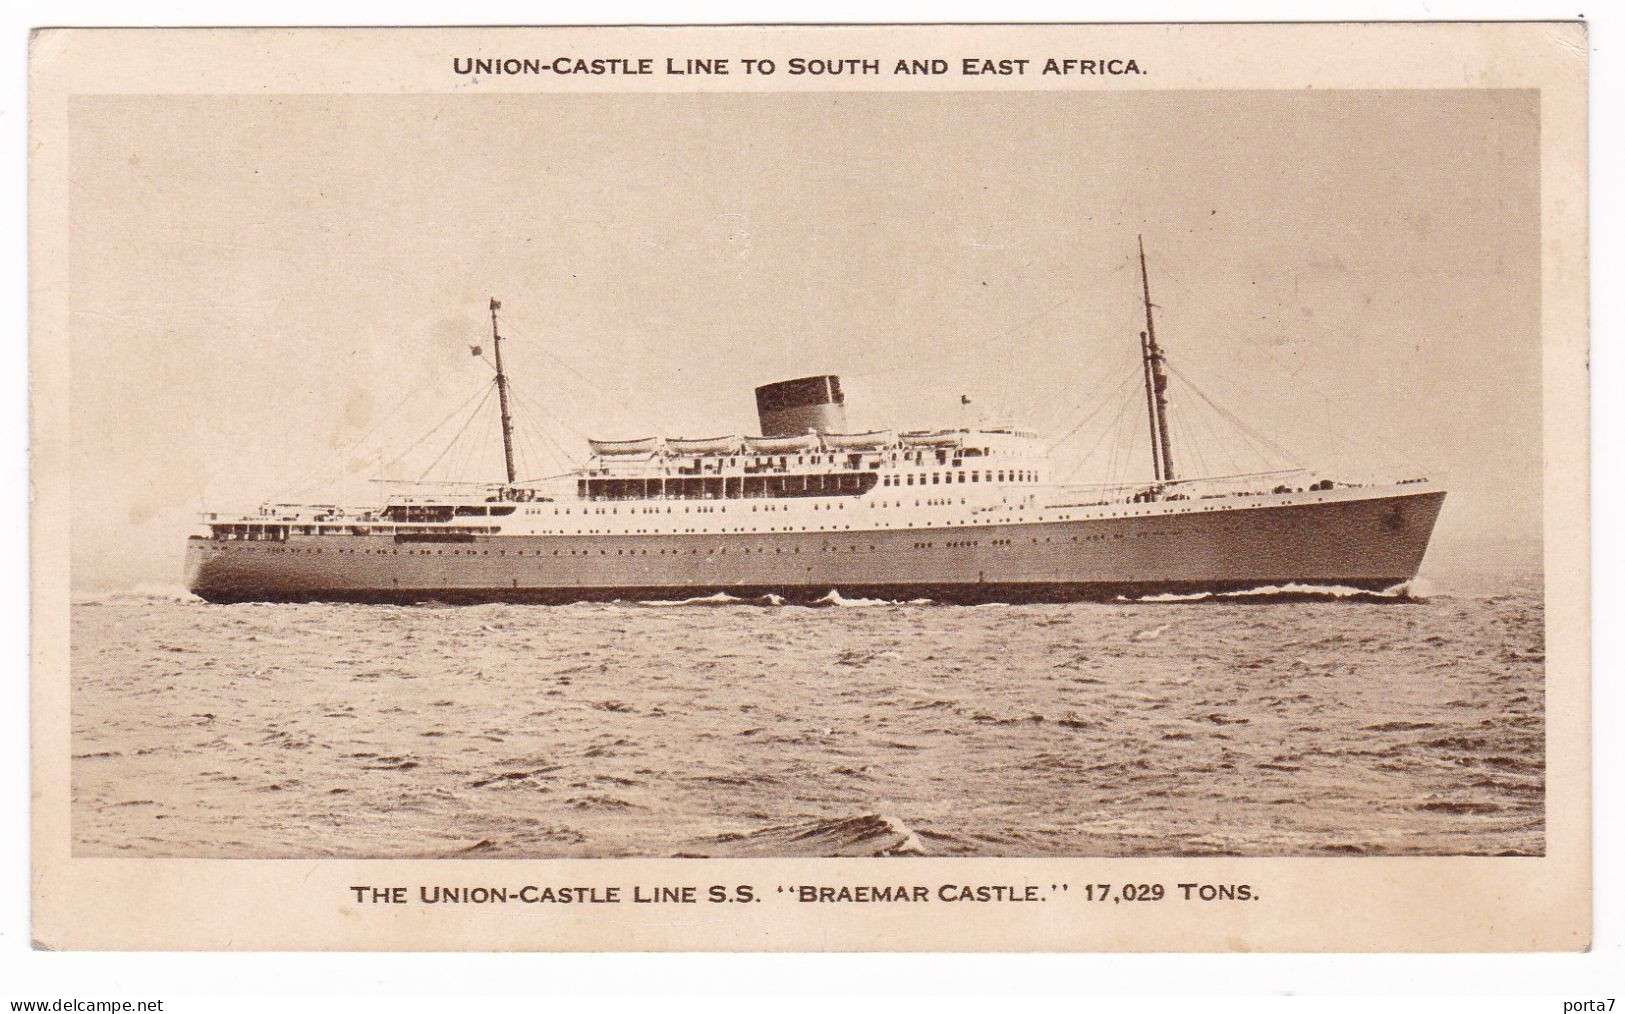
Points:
(807, 510)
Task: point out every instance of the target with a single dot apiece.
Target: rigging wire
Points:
(1222, 445)
(486, 391)
(936, 363)
(538, 442)
(525, 452)
(1108, 439)
(1188, 438)
(475, 414)
(541, 412)
(1234, 419)
(321, 476)
(1129, 434)
(489, 435)
(1247, 433)
(1100, 388)
(1328, 402)
(1101, 403)
(457, 451)
(618, 399)
(1112, 438)
(1055, 407)
(538, 405)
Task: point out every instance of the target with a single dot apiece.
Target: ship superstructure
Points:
(807, 508)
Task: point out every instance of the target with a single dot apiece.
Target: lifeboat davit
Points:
(782, 445)
(859, 441)
(643, 445)
(704, 445)
(923, 438)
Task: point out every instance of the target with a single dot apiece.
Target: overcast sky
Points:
(272, 292)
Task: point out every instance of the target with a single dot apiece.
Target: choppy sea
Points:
(1274, 723)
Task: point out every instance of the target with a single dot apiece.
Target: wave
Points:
(871, 834)
(140, 594)
(719, 599)
(835, 598)
(1407, 592)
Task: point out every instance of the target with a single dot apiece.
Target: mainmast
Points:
(1150, 406)
(1156, 381)
(502, 392)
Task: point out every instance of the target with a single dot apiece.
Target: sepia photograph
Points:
(819, 464)
(831, 475)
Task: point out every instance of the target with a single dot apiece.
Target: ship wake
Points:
(1410, 591)
(835, 598)
(719, 599)
(141, 594)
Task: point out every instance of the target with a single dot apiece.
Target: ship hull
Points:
(1369, 542)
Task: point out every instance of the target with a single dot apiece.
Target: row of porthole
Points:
(674, 552)
(963, 544)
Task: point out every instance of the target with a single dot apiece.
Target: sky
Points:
(278, 294)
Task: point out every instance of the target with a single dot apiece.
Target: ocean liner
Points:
(807, 510)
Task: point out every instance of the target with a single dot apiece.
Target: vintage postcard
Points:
(815, 488)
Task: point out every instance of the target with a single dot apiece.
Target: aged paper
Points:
(478, 488)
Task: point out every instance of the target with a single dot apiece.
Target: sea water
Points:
(1277, 723)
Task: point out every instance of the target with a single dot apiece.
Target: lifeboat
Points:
(645, 445)
(704, 445)
(924, 438)
(858, 441)
(782, 445)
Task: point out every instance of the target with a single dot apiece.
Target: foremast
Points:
(1156, 384)
(502, 393)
